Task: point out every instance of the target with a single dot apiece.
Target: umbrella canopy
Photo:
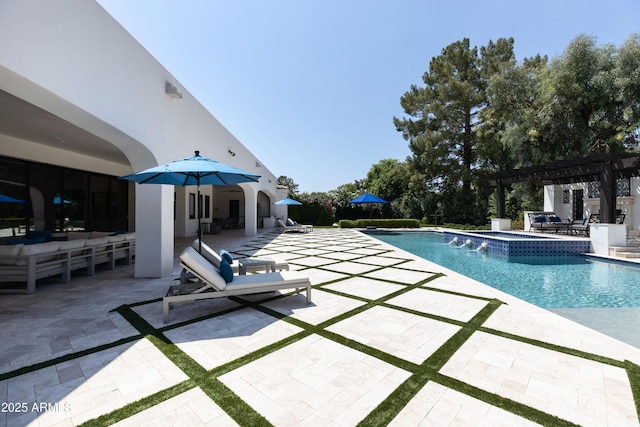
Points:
(367, 198)
(287, 201)
(7, 199)
(195, 170)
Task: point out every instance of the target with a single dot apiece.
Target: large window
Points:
(59, 199)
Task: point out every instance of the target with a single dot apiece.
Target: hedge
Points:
(383, 223)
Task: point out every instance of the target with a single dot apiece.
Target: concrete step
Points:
(624, 251)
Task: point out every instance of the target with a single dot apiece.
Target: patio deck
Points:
(390, 339)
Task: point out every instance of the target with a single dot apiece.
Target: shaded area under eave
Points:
(603, 167)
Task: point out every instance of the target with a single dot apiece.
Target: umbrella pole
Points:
(199, 209)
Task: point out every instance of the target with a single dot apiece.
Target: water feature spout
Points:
(453, 241)
(466, 244)
(484, 246)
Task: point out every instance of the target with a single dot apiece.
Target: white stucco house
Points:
(83, 103)
(580, 200)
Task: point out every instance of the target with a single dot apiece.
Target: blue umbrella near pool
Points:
(195, 170)
(287, 201)
(365, 199)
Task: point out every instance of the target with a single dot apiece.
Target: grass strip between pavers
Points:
(385, 412)
(388, 409)
(235, 407)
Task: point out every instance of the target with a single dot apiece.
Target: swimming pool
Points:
(548, 282)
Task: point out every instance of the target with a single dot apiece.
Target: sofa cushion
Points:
(539, 219)
(97, 241)
(95, 234)
(130, 236)
(116, 238)
(41, 248)
(71, 244)
(78, 235)
(7, 252)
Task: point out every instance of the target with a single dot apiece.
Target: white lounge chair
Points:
(295, 227)
(255, 264)
(212, 285)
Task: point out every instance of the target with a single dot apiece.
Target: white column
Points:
(154, 230)
(605, 235)
(250, 210)
(549, 197)
(500, 224)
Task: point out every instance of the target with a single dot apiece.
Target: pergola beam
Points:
(603, 167)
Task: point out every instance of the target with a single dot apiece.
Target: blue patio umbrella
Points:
(8, 199)
(195, 170)
(59, 200)
(287, 201)
(365, 199)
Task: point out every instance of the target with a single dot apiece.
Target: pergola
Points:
(603, 167)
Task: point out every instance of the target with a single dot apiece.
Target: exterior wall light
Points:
(172, 91)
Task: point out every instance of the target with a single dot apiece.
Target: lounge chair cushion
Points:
(226, 271)
(192, 258)
(226, 256)
(208, 253)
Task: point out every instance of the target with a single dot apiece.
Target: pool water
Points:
(548, 282)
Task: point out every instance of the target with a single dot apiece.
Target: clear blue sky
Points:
(311, 86)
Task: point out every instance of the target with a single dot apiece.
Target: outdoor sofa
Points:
(212, 284)
(66, 252)
(545, 221)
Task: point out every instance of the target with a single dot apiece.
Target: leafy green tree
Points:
(317, 209)
(288, 182)
(341, 197)
(389, 179)
(443, 123)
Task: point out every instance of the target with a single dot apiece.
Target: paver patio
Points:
(390, 338)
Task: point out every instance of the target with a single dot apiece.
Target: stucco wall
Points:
(72, 59)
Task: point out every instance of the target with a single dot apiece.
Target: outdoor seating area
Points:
(389, 339)
(549, 221)
(64, 254)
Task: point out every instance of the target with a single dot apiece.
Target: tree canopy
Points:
(480, 110)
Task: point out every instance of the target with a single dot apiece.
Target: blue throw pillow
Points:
(18, 241)
(226, 271)
(554, 218)
(226, 256)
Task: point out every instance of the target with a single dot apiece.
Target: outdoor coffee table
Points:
(255, 263)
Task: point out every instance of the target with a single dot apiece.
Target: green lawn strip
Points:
(517, 408)
(235, 407)
(389, 408)
(557, 348)
(140, 405)
(67, 357)
(633, 371)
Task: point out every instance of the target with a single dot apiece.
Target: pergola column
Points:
(607, 194)
(500, 202)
